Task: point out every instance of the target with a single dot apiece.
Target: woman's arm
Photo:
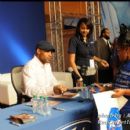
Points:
(104, 63)
(73, 64)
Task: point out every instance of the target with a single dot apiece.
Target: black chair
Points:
(16, 78)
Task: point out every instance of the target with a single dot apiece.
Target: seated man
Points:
(38, 78)
(122, 81)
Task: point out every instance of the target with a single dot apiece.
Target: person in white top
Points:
(37, 75)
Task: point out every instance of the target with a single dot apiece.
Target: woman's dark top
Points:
(83, 51)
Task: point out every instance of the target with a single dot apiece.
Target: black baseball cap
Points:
(45, 45)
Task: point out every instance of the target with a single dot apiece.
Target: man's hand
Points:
(118, 92)
(101, 88)
(104, 87)
(60, 89)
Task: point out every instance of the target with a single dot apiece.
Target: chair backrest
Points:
(64, 78)
(16, 78)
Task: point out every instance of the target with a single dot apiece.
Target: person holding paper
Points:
(121, 86)
(82, 51)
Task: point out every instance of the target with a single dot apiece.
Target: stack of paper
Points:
(104, 103)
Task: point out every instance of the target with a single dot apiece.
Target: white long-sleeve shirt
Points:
(38, 78)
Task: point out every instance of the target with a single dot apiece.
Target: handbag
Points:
(87, 70)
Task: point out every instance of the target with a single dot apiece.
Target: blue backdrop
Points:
(21, 27)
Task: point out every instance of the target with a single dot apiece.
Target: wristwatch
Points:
(80, 79)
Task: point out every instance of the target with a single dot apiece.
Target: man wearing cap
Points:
(38, 78)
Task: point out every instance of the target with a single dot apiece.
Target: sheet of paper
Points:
(104, 103)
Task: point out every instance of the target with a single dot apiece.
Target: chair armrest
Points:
(8, 95)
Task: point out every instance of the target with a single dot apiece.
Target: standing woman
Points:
(81, 49)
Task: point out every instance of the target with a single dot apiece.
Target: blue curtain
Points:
(22, 25)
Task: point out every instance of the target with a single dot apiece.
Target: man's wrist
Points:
(107, 88)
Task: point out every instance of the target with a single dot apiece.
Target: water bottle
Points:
(87, 91)
(84, 92)
(47, 109)
(34, 104)
(90, 91)
(41, 105)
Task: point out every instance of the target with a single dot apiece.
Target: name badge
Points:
(91, 61)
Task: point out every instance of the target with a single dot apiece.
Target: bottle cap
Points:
(41, 97)
(34, 96)
(84, 85)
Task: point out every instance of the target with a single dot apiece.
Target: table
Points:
(76, 116)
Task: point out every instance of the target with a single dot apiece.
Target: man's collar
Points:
(38, 61)
(105, 39)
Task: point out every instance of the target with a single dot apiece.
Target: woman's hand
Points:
(104, 63)
(60, 89)
(118, 92)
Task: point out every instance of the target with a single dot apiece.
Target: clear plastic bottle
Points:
(83, 92)
(87, 93)
(34, 104)
(90, 91)
(47, 109)
(41, 105)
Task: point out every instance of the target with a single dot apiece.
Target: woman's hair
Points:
(89, 25)
(124, 37)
